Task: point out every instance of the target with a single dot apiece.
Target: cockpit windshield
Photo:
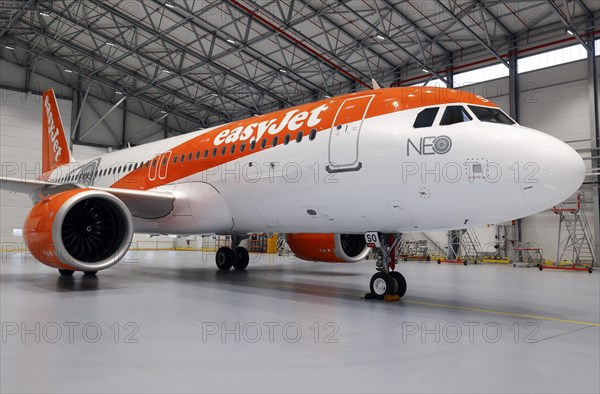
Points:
(492, 115)
(455, 114)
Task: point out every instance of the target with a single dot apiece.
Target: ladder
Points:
(469, 247)
(578, 245)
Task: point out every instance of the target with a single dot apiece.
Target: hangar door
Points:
(345, 133)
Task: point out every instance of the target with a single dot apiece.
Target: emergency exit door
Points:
(345, 134)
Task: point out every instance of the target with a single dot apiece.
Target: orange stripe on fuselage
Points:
(287, 121)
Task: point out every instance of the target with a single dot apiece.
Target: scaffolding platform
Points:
(576, 250)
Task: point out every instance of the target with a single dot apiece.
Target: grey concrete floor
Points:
(170, 322)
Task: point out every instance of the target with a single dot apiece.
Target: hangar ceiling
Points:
(207, 62)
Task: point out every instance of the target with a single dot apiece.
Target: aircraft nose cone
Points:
(551, 171)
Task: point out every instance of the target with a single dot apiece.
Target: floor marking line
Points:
(564, 333)
(524, 315)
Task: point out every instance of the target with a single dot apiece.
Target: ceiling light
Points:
(169, 5)
(68, 71)
(425, 70)
(166, 71)
(9, 47)
(569, 31)
(44, 14)
(118, 92)
(214, 94)
(282, 70)
(163, 111)
(110, 44)
(230, 40)
(380, 36)
(327, 96)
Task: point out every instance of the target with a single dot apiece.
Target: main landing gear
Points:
(386, 284)
(237, 257)
(64, 272)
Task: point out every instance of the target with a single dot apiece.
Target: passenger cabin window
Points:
(232, 150)
(197, 155)
(242, 147)
(190, 157)
(455, 114)
(263, 143)
(312, 135)
(299, 137)
(223, 150)
(286, 139)
(275, 140)
(491, 115)
(425, 118)
(252, 145)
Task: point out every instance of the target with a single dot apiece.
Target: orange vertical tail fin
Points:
(55, 149)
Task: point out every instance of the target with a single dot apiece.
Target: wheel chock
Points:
(385, 298)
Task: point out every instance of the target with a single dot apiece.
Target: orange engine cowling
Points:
(329, 248)
(80, 229)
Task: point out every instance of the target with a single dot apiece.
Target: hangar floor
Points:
(169, 321)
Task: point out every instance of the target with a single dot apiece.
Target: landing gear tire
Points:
(66, 272)
(241, 258)
(225, 258)
(90, 273)
(401, 281)
(590, 270)
(383, 284)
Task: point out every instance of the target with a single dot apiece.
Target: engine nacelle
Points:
(329, 248)
(80, 229)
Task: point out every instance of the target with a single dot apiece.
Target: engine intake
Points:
(81, 229)
(329, 248)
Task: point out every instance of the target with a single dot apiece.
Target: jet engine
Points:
(329, 248)
(79, 230)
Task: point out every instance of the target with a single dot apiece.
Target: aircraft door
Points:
(345, 133)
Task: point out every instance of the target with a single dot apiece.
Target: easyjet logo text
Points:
(53, 131)
(292, 120)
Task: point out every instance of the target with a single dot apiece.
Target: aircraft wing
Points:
(141, 204)
(22, 186)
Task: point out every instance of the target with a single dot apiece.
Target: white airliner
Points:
(336, 176)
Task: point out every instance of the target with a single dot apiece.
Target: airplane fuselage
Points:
(364, 162)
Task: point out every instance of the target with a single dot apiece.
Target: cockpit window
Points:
(492, 115)
(455, 114)
(426, 117)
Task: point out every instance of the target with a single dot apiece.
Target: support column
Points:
(594, 131)
(513, 92)
(124, 125)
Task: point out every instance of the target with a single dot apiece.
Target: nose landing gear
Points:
(387, 284)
